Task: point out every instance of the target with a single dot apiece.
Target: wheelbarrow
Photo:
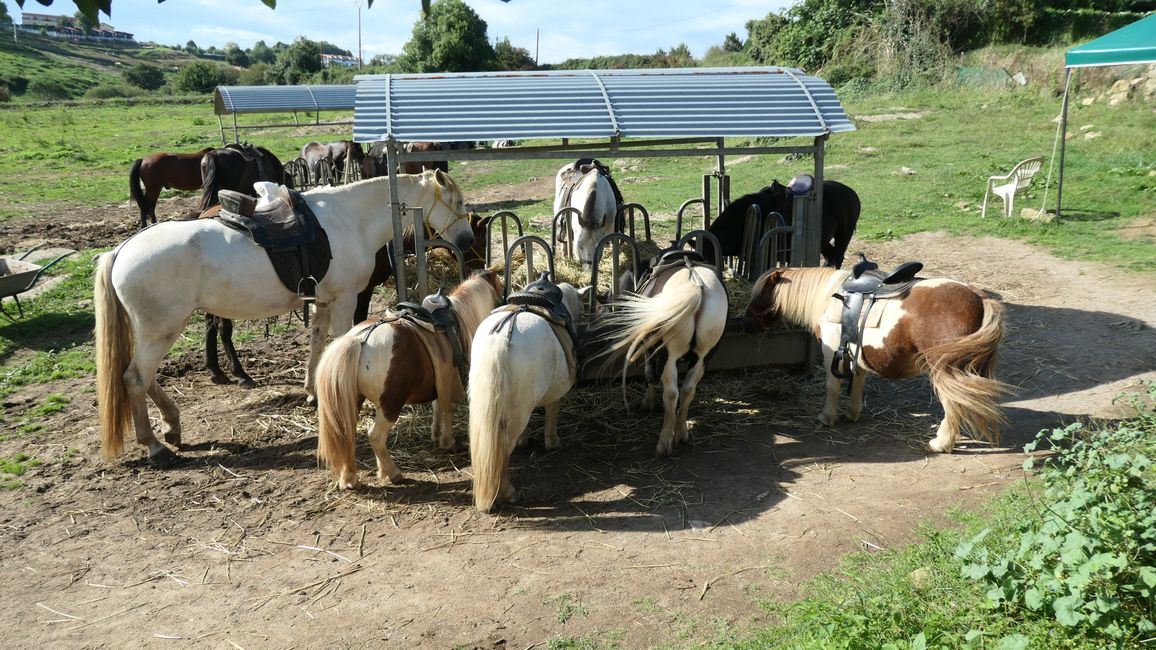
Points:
(18, 276)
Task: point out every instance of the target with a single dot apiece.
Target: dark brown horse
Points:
(373, 164)
(169, 171)
(237, 167)
(317, 154)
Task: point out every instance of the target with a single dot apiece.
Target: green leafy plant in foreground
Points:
(1087, 558)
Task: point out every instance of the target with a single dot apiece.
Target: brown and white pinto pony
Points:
(944, 328)
(390, 364)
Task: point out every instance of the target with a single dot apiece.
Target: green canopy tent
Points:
(1131, 44)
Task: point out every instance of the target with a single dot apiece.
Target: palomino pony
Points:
(586, 186)
(679, 311)
(178, 171)
(946, 329)
(518, 362)
(840, 215)
(391, 362)
(147, 287)
(238, 167)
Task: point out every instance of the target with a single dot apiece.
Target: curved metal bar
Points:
(614, 239)
(563, 217)
(505, 216)
(682, 208)
(453, 248)
(762, 255)
(628, 210)
(528, 242)
(699, 237)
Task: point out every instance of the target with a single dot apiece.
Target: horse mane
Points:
(800, 295)
(473, 300)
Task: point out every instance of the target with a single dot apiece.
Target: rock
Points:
(1088, 101)
(905, 171)
(1092, 135)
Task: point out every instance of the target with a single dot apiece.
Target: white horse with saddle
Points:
(146, 289)
(586, 186)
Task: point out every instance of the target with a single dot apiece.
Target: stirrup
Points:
(307, 289)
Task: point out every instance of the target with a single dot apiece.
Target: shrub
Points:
(198, 77)
(18, 84)
(5, 95)
(109, 91)
(145, 75)
(1087, 555)
(48, 89)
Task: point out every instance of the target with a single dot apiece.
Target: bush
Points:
(48, 90)
(5, 95)
(198, 77)
(145, 75)
(16, 83)
(109, 91)
(1086, 556)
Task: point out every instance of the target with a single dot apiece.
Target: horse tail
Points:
(211, 181)
(643, 322)
(963, 374)
(134, 188)
(114, 344)
(489, 393)
(338, 403)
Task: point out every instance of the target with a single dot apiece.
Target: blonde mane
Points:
(472, 301)
(801, 295)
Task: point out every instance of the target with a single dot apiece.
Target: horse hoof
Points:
(173, 438)
(935, 446)
(664, 450)
(220, 379)
(452, 445)
(164, 457)
(311, 400)
(246, 382)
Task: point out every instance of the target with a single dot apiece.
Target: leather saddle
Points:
(858, 293)
(434, 314)
(544, 298)
(654, 276)
(289, 232)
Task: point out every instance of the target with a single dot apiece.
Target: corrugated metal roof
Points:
(282, 99)
(680, 102)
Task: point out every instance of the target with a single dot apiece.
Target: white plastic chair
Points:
(1006, 186)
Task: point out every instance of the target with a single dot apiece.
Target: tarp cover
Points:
(1135, 43)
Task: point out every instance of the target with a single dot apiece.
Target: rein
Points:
(430, 233)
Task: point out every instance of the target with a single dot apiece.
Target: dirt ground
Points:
(245, 544)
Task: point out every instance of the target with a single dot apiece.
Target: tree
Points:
(86, 23)
(732, 43)
(451, 39)
(254, 75)
(300, 60)
(5, 18)
(191, 47)
(508, 57)
(145, 75)
(234, 55)
(262, 53)
(198, 77)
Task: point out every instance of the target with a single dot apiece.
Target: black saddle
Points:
(296, 243)
(545, 295)
(864, 286)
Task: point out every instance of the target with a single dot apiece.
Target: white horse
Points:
(681, 311)
(147, 287)
(516, 364)
(587, 190)
(394, 363)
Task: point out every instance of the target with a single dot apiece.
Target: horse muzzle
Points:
(464, 241)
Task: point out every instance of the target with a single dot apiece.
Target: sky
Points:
(555, 30)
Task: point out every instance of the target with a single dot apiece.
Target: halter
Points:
(430, 233)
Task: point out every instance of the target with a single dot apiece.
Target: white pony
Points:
(516, 364)
(680, 311)
(147, 287)
(585, 188)
(394, 362)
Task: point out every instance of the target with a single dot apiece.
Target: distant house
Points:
(68, 27)
(330, 60)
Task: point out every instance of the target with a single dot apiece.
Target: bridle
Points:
(430, 233)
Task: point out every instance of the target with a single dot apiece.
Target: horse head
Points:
(762, 312)
(597, 210)
(446, 213)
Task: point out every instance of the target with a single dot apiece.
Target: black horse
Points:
(840, 214)
(237, 167)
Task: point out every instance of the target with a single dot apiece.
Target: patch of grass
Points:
(54, 403)
(566, 606)
(13, 466)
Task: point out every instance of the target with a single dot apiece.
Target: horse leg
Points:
(321, 316)
(152, 195)
(551, 420)
(646, 401)
(669, 407)
(211, 326)
(243, 379)
(443, 425)
(139, 379)
(948, 432)
(379, 440)
(686, 396)
(830, 411)
(855, 405)
(170, 415)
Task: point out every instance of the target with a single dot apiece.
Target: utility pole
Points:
(537, 40)
(358, 34)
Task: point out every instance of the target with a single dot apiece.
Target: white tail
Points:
(642, 322)
(338, 405)
(489, 389)
(114, 344)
